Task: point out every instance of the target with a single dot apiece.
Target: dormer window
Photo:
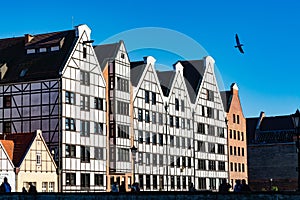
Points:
(55, 48)
(30, 51)
(23, 72)
(41, 50)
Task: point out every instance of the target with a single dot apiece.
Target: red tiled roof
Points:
(22, 143)
(9, 147)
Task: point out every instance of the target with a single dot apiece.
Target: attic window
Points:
(55, 48)
(23, 72)
(30, 51)
(43, 50)
(122, 55)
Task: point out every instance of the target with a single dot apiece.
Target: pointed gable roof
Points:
(193, 72)
(136, 70)
(9, 147)
(106, 52)
(22, 143)
(39, 65)
(166, 80)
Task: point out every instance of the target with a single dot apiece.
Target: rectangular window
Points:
(70, 179)
(183, 142)
(84, 128)
(233, 118)
(84, 52)
(238, 135)
(231, 150)
(98, 128)
(44, 186)
(99, 153)
(212, 184)
(140, 115)
(84, 78)
(221, 132)
(183, 123)
(147, 158)
(171, 121)
(178, 142)
(99, 179)
(176, 104)
(210, 95)
(201, 146)
(161, 182)
(221, 166)
(234, 134)
(6, 127)
(230, 134)
(154, 140)
(154, 181)
(161, 160)
(123, 131)
(38, 159)
(177, 122)
(98, 103)
(243, 152)
(172, 182)
(123, 154)
(183, 161)
(231, 166)
(211, 148)
(171, 140)
(221, 149)
(85, 154)
(189, 146)
(160, 119)
(70, 98)
(85, 181)
(211, 130)
(178, 162)
(242, 136)
(154, 159)
(202, 183)
(210, 112)
(141, 179)
(153, 117)
(147, 181)
(146, 96)
(147, 116)
(189, 162)
(160, 139)
(7, 101)
(201, 128)
(178, 182)
(141, 158)
(171, 161)
(183, 182)
(147, 137)
(243, 167)
(84, 102)
(70, 124)
(70, 151)
(188, 124)
(140, 136)
(153, 98)
(239, 151)
(212, 165)
(182, 105)
(201, 164)
(234, 149)
(237, 119)
(203, 111)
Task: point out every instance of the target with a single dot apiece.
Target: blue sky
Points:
(267, 74)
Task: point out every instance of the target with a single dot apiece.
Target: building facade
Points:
(53, 82)
(272, 153)
(236, 134)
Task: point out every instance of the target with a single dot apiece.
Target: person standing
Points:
(32, 188)
(5, 186)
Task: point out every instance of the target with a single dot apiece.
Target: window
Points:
(84, 102)
(178, 182)
(230, 133)
(140, 115)
(177, 122)
(231, 166)
(123, 154)
(234, 134)
(202, 183)
(147, 137)
(99, 153)
(154, 140)
(201, 146)
(239, 151)
(154, 159)
(211, 148)
(230, 150)
(182, 105)
(203, 111)
(189, 146)
(212, 184)
(160, 119)
(242, 136)
(70, 179)
(188, 124)
(238, 135)
(201, 128)
(141, 158)
(44, 186)
(183, 123)
(99, 179)
(146, 96)
(211, 130)
(176, 104)
(233, 118)
(70, 124)
(183, 161)
(234, 151)
(243, 167)
(183, 142)
(243, 152)
(210, 95)
(84, 52)
(7, 101)
(235, 167)
(212, 165)
(140, 136)
(147, 158)
(178, 162)
(84, 78)
(172, 182)
(85, 154)
(153, 117)
(122, 55)
(239, 167)
(147, 116)
(6, 127)
(220, 132)
(141, 180)
(210, 112)
(122, 108)
(147, 181)
(70, 151)
(38, 159)
(51, 187)
(161, 160)
(85, 180)
(98, 103)
(154, 181)
(178, 142)
(189, 162)
(171, 140)
(153, 98)
(160, 139)
(201, 164)
(98, 128)
(237, 119)
(171, 121)
(183, 182)
(70, 98)
(172, 161)
(221, 166)
(84, 128)
(221, 149)
(123, 131)
(122, 84)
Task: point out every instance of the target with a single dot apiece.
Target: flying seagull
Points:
(238, 44)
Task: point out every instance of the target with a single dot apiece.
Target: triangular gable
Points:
(150, 61)
(6, 146)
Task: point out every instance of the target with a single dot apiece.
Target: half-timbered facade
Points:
(53, 82)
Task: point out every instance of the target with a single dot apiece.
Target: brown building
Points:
(272, 153)
(236, 129)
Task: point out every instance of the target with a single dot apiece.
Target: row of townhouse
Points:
(94, 106)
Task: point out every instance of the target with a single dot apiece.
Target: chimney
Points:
(28, 38)
(234, 89)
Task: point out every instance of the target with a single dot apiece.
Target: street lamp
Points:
(296, 118)
(133, 152)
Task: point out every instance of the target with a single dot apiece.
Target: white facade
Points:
(7, 168)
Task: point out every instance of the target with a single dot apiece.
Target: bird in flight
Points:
(238, 44)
